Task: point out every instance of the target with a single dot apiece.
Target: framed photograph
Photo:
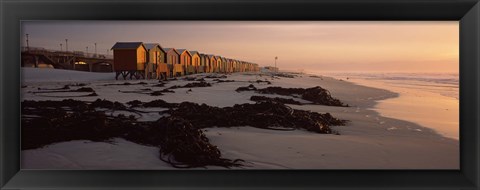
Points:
(240, 94)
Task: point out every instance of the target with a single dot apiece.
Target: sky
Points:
(310, 46)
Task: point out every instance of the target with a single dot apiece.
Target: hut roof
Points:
(183, 50)
(127, 45)
(150, 46)
(194, 52)
(168, 49)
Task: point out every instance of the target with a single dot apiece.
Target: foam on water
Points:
(446, 84)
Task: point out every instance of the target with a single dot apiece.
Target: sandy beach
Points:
(382, 133)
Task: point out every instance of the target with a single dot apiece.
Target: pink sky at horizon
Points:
(311, 46)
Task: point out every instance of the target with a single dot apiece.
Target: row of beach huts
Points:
(152, 61)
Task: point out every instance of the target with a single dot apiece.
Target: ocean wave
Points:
(446, 84)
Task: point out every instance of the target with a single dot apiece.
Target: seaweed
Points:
(178, 136)
(316, 95)
(215, 76)
(220, 81)
(261, 81)
(125, 84)
(246, 88)
(192, 85)
(276, 99)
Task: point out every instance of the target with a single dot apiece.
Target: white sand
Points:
(369, 141)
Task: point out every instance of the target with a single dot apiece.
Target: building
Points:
(219, 64)
(155, 57)
(195, 62)
(129, 58)
(213, 64)
(204, 62)
(173, 62)
(185, 59)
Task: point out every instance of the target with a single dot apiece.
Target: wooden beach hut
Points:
(234, 65)
(129, 58)
(185, 59)
(219, 64)
(227, 65)
(195, 62)
(155, 61)
(224, 65)
(204, 62)
(230, 65)
(242, 66)
(173, 61)
(213, 64)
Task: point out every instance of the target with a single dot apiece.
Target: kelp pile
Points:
(180, 143)
(220, 81)
(125, 84)
(177, 133)
(215, 76)
(316, 95)
(65, 89)
(276, 99)
(265, 115)
(192, 85)
(167, 90)
(261, 81)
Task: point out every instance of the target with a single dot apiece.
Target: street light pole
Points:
(276, 69)
(86, 48)
(66, 44)
(61, 49)
(95, 49)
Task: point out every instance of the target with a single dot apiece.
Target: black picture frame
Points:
(465, 11)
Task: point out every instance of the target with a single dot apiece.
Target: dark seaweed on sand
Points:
(192, 85)
(275, 99)
(179, 137)
(317, 95)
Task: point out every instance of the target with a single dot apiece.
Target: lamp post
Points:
(95, 49)
(276, 69)
(86, 49)
(66, 44)
(61, 49)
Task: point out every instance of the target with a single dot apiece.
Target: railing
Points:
(39, 50)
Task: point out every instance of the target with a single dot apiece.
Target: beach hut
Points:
(195, 62)
(230, 65)
(219, 64)
(224, 65)
(242, 66)
(204, 62)
(185, 59)
(173, 61)
(129, 58)
(234, 66)
(237, 66)
(227, 65)
(213, 64)
(155, 59)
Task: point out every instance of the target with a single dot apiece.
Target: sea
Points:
(446, 84)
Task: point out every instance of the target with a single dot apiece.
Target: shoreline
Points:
(368, 141)
(431, 110)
